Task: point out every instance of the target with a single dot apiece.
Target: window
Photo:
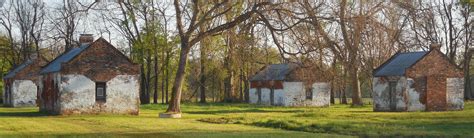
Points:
(393, 90)
(272, 96)
(259, 94)
(392, 86)
(100, 92)
(309, 93)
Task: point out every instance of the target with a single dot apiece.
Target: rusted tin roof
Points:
(274, 72)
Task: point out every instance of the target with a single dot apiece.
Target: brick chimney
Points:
(86, 38)
(33, 56)
(434, 46)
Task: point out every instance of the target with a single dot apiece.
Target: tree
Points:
(28, 18)
(65, 20)
(189, 36)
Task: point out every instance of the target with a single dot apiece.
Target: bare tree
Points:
(65, 20)
(28, 18)
(189, 36)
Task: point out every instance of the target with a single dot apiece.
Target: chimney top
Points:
(33, 56)
(86, 38)
(434, 46)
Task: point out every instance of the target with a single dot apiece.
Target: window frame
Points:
(309, 93)
(100, 85)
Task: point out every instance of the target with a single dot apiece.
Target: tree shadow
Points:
(356, 111)
(23, 114)
(102, 135)
(242, 111)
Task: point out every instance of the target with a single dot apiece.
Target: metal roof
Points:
(17, 69)
(397, 65)
(274, 72)
(55, 65)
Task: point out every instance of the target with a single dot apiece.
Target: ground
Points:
(242, 120)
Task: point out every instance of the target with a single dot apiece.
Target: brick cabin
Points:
(288, 84)
(21, 83)
(92, 78)
(418, 81)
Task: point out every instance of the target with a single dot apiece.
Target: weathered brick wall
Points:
(416, 94)
(434, 64)
(100, 62)
(436, 93)
(31, 72)
(437, 69)
(48, 92)
(72, 90)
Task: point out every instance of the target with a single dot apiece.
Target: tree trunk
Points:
(467, 78)
(343, 88)
(332, 92)
(174, 106)
(167, 84)
(229, 90)
(355, 88)
(202, 80)
(148, 79)
(246, 89)
(142, 85)
(344, 97)
(155, 94)
(163, 78)
(241, 90)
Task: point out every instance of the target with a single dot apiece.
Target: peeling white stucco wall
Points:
(414, 103)
(400, 94)
(279, 97)
(455, 93)
(123, 94)
(253, 96)
(293, 94)
(77, 95)
(265, 100)
(383, 99)
(321, 94)
(23, 93)
(380, 94)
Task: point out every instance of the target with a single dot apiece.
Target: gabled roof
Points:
(274, 72)
(17, 69)
(398, 63)
(55, 65)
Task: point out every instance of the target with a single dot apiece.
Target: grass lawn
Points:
(242, 120)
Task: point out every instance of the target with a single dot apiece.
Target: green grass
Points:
(241, 120)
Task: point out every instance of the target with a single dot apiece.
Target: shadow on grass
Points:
(357, 111)
(243, 111)
(102, 135)
(23, 114)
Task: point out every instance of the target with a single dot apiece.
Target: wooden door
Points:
(393, 95)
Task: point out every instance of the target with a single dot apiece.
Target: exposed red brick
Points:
(100, 62)
(432, 71)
